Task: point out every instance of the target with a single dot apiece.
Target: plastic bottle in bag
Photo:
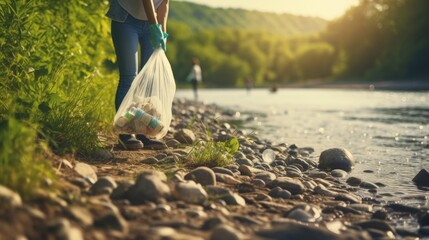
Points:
(146, 123)
(126, 118)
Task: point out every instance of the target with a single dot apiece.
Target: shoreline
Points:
(379, 85)
(149, 194)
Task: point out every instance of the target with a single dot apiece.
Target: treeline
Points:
(199, 17)
(381, 39)
(231, 56)
(378, 40)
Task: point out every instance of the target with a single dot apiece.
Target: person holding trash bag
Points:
(134, 23)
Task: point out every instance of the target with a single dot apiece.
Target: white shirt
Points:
(136, 8)
(195, 73)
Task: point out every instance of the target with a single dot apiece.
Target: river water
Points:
(386, 131)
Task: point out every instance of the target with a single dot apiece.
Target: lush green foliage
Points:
(52, 87)
(50, 69)
(382, 39)
(22, 166)
(199, 17)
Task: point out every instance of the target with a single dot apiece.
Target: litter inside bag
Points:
(146, 109)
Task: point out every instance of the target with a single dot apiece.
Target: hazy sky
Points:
(327, 9)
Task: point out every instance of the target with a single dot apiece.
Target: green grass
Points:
(212, 154)
(22, 165)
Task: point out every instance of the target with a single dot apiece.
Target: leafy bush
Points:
(22, 165)
(51, 61)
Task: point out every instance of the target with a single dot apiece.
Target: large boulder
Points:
(336, 158)
(422, 178)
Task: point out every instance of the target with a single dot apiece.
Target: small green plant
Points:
(212, 154)
(22, 165)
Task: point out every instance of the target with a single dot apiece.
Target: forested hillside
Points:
(200, 17)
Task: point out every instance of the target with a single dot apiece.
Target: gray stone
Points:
(376, 224)
(223, 171)
(120, 191)
(338, 173)
(246, 187)
(353, 181)
(298, 161)
(196, 213)
(81, 214)
(297, 231)
(212, 222)
(86, 171)
(172, 143)
(305, 213)
(202, 175)
(102, 154)
(148, 187)
(149, 160)
(185, 136)
(102, 184)
(234, 199)
(278, 192)
(361, 207)
(190, 192)
(317, 174)
(368, 185)
(225, 232)
(9, 197)
(294, 186)
(265, 176)
(258, 183)
(248, 171)
(217, 191)
(322, 190)
(226, 179)
(112, 220)
(244, 161)
(336, 158)
(422, 178)
(348, 197)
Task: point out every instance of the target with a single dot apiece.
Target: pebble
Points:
(422, 178)
(338, 173)
(223, 171)
(258, 183)
(9, 197)
(228, 179)
(278, 192)
(86, 171)
(294, 186)
(225, 232)
(202, 175)
(190, 192)
(103, 185)
(368, 185)
(149, 186)
(354, 181)
(185, 136)
(150, 160)
(234, 199)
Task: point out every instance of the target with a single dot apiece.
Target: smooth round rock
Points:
(202, 175)
(336, 158)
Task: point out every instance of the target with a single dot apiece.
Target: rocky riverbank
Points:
(270, 191)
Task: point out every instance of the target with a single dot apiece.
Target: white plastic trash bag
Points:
(146, 109)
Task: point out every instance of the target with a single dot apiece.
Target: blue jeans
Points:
(126, 37)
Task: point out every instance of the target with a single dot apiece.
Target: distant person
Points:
(195, 76)
(273, 88)
(249, 84)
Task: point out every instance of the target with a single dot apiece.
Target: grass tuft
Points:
(22, 165)
(212, 154)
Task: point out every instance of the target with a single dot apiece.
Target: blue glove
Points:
(164, 42)
(157, 36)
